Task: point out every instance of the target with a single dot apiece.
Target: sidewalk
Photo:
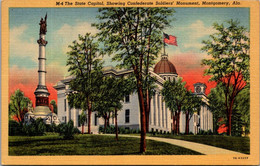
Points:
(201, 148)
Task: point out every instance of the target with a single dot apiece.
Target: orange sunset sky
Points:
(191, 26)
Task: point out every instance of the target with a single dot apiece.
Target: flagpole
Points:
(163, 45)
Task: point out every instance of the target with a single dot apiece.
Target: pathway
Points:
(201, 148)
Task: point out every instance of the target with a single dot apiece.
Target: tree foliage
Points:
(175, 94)
(110, 97)
(229, 62)
(54, 106)
(133, 35)
(192, 104)
(85, 68)
(18, 106)
(241, 116)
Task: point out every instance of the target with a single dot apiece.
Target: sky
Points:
(190, 26)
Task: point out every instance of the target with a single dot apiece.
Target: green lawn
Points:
(239, 144)
(89, 145)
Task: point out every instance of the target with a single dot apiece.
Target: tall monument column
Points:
(41, 92)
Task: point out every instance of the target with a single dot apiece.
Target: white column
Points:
(42, 62)
(74, 117)
(208, 118)
(156, 109)
(160, 109)
(67, 110)
(201, 118)
(169, 121)
(152, 112)
(166, 116)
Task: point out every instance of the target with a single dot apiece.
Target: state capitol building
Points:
(129, 115)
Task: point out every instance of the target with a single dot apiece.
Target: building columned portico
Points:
(129, 116)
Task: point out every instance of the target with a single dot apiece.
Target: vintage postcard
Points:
(147, 82)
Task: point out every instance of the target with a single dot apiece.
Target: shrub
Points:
(15, 128)
(67, 130)
(51, 128)
(101, 129)
(36, 128)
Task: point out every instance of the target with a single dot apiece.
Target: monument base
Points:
(42, 112)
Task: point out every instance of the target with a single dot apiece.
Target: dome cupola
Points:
(164, 66)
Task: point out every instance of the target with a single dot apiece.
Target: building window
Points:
(65, 105)
(96, 119)
(127, 116)
(127, 99)
(78, 120)
(65, 119)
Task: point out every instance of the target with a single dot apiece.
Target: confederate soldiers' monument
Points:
(41, 93)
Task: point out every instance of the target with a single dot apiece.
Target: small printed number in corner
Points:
(240, 158)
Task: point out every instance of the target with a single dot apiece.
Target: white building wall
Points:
(60, 105)
(133, 106)
(160, 116)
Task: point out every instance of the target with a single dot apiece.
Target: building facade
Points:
(129, 116)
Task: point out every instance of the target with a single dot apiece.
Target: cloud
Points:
(56, 71)
(195, 32)
(198, 30)
(193, 45)
(68, 33)
(20, 47)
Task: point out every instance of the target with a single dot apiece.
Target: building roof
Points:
(164, 66)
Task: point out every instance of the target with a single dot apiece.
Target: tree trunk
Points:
(108, 117)
(143, 120)
(229, 124)
(178, 123)
(187, 123)
(147, 112)
(116, 124)
(173, 124)
(229, 117)
(89, 117)
(82, 128)
(105, 124)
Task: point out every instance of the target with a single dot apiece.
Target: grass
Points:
(89, 145)
(239, 144)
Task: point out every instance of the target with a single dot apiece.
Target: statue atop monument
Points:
(43, 25)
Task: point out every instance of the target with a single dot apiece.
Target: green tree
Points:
(18, 106)
(242, 110)
(217, 106)
(110, 95)
(82, 119)
(103, 104)
(229, 62)
(54, 106)
(175, 93)
(192, 104)
(85, 67)
(121, 87)
(241, 116)
(133, 35)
